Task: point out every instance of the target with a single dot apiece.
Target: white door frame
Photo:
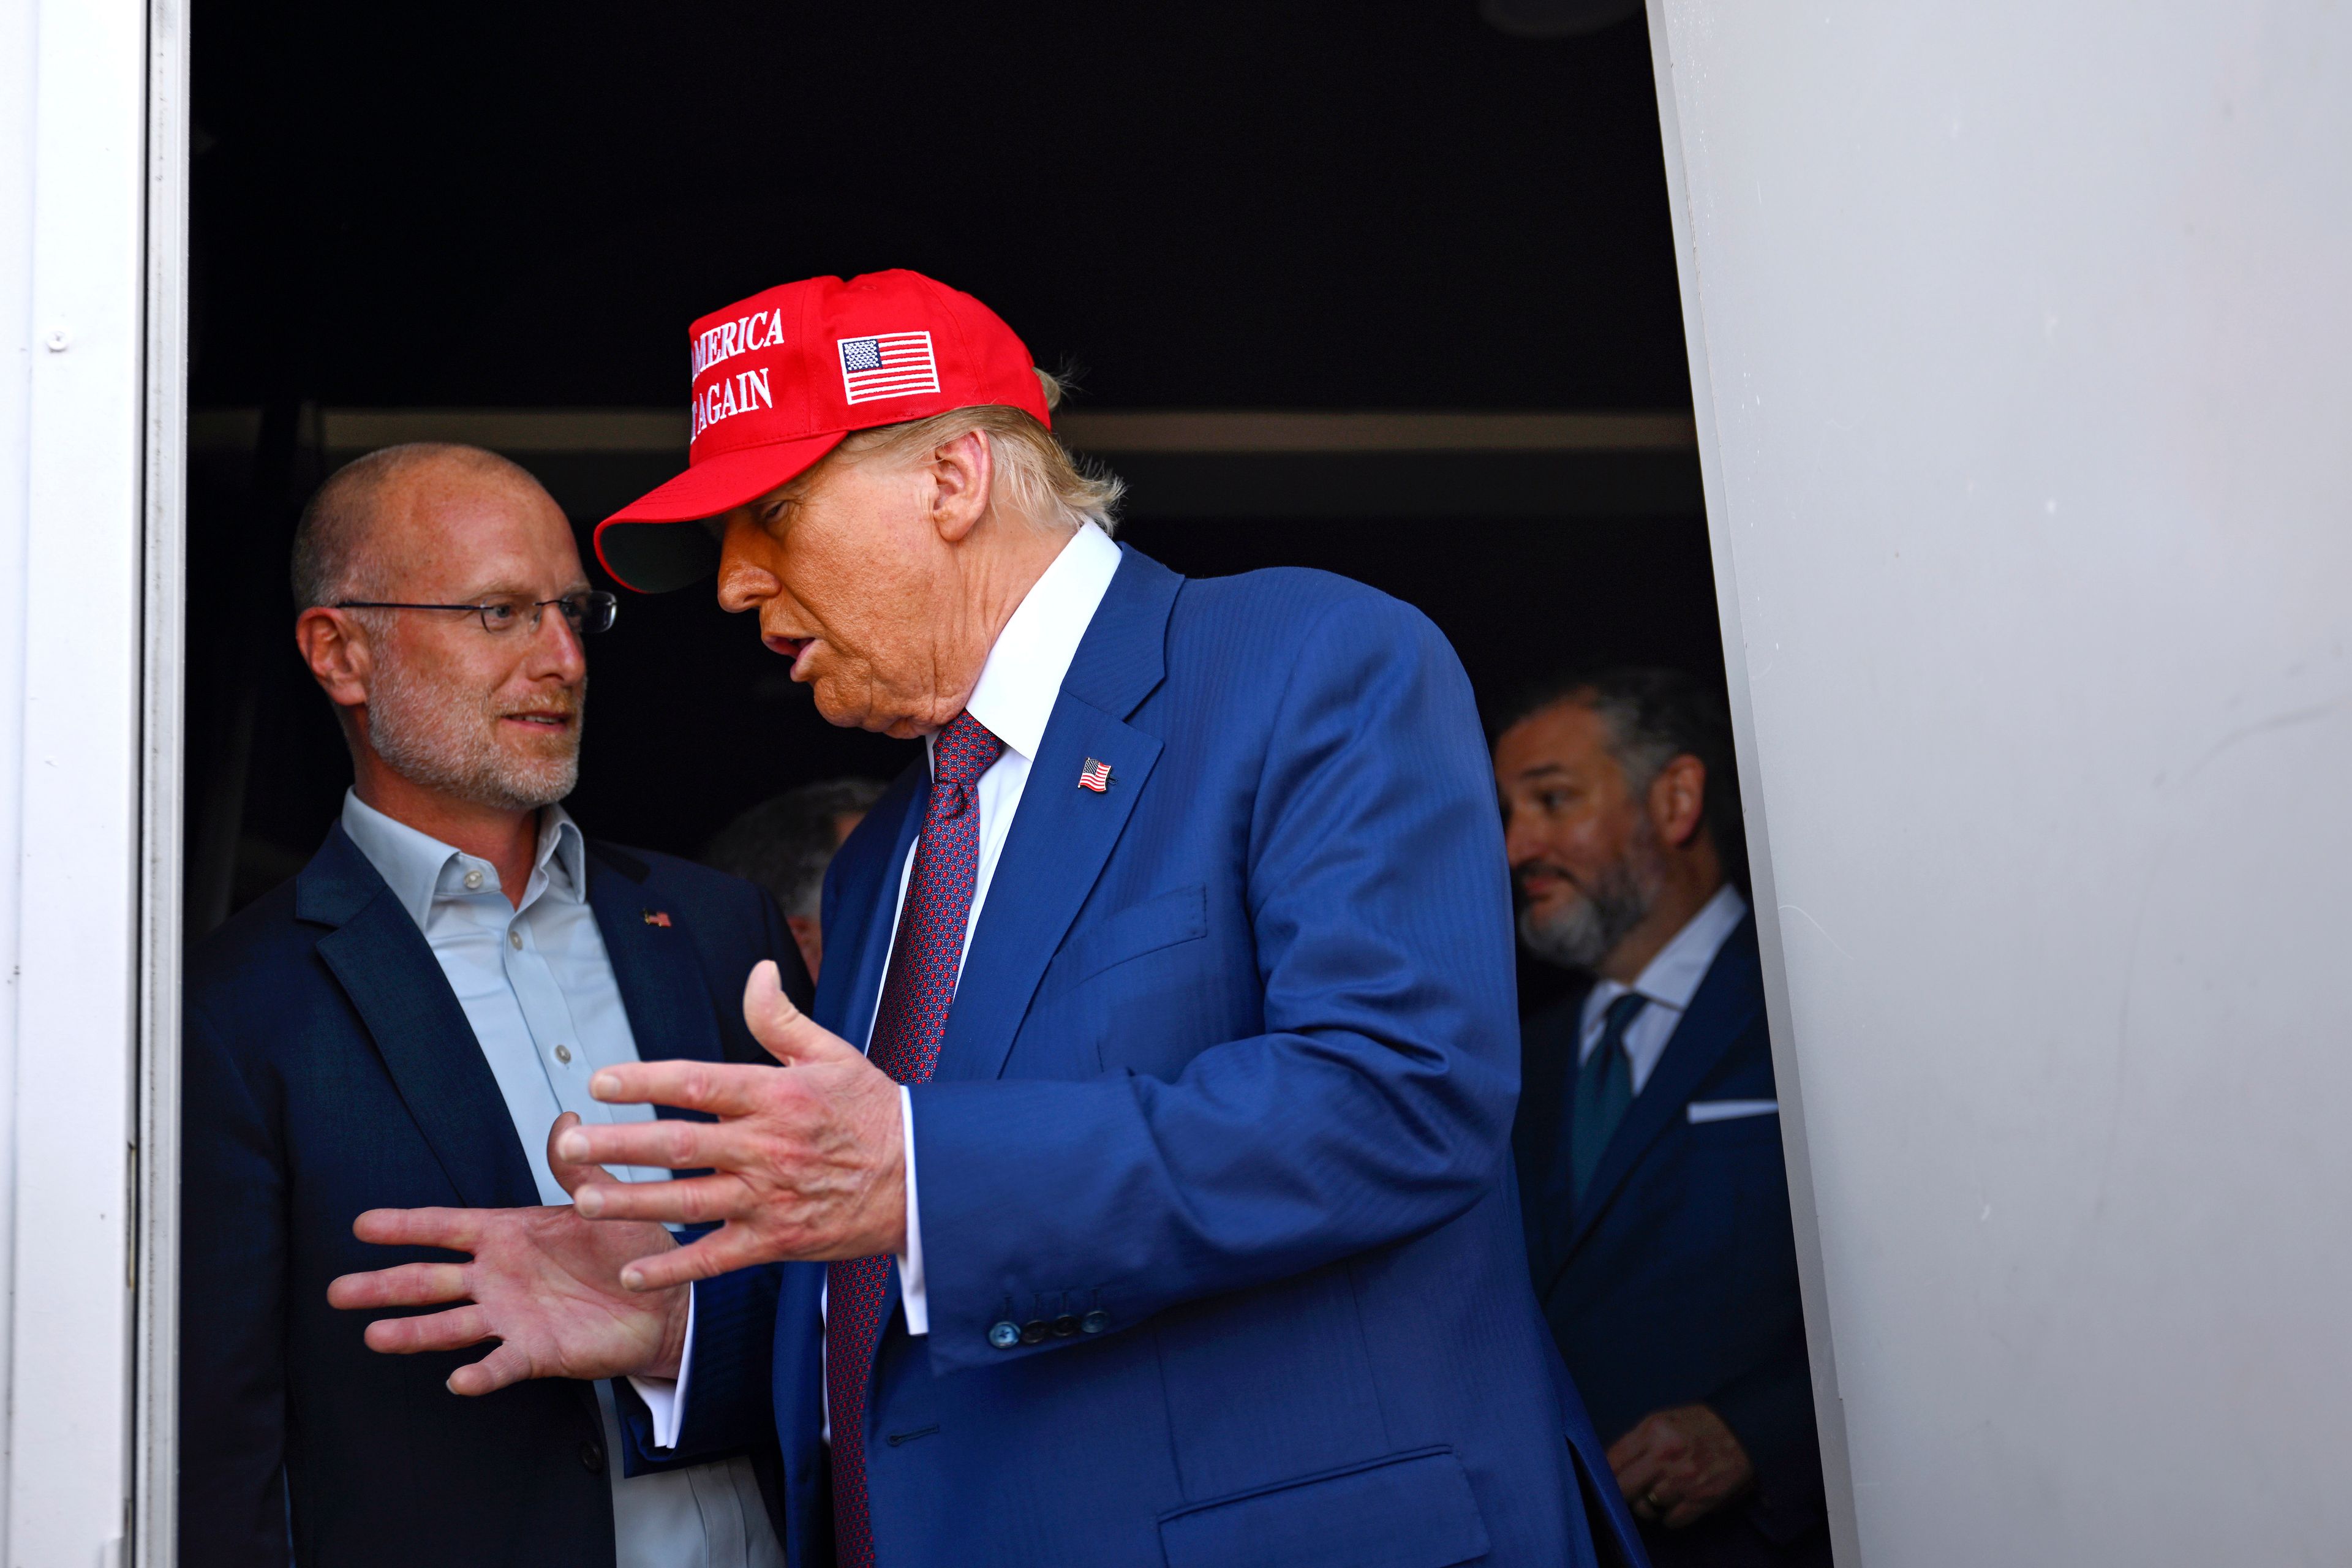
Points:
(92, 288)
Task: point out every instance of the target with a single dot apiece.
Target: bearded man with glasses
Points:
(405, 1023)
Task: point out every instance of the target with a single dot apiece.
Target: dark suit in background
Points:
(1674, 1282)
(329, 1069)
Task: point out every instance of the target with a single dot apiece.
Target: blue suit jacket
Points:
(1675, 1283)
(1220, 1123)
(329, 1070)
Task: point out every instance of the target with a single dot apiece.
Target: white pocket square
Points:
(1730, 1109)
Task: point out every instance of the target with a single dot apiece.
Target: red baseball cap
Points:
(782, 377)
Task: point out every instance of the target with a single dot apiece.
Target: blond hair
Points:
(1036, 476)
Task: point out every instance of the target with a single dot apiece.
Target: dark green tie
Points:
(1605, 1088)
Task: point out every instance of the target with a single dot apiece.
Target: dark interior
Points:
(1309, 206)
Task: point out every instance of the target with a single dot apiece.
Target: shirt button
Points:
(473, 880)
(1004, 1336)
(563, 1053)
(514, 940)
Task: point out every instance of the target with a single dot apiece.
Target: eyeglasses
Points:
(587, 612)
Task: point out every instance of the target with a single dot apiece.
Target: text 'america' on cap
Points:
(782, 377)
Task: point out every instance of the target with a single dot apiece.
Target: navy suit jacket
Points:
(329, 1070)
(1675, 1283)
(1220, 1125)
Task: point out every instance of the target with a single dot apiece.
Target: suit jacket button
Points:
(1065, 1326)
(1096, 1321)
(592, 1457)
(1003, 1336)
(1033, 1332)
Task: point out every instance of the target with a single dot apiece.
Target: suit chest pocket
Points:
(1129, 993)
(1160, 921)
(1736, 1193)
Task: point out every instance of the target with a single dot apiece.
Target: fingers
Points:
(570, 1175)
(1649, 1501)
(721, 1252)
(504, 1365)
(719, 1089)
(1634, 1451)
(1660, 1473)
(410, 1285)
(699, 1200)
(458, 1230)
(450, 1330)
(1637, 1471)
(664, 1146)
(786, 1033)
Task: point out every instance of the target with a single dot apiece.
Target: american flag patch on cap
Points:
(894, 364)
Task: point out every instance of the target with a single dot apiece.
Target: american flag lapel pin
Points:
(1095, 776)
(658, 918)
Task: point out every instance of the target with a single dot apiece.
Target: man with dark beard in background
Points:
(405, 1024)
(1648, 1138)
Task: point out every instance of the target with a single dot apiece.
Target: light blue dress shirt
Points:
(537, 987)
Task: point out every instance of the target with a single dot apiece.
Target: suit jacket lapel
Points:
(1063, 835)
(660, 984)
(389, 973)
(1060, 840)
(865, 875)
(1724, 1003)
(1547, 1096)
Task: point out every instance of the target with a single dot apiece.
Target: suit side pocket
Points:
(1408, 1510)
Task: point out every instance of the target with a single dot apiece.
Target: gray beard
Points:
(1587, 932)
(441, 739)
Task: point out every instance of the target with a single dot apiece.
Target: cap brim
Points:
(647, 545)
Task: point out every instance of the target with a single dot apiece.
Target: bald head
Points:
(376, 511)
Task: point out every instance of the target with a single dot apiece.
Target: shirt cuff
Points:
(664, 1397)
(911, 1294)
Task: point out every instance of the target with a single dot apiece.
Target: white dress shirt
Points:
(537, 986)
(1669, 980)
(1012, 699)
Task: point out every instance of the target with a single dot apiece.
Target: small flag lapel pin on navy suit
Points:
(1095, 776)
(658, 918)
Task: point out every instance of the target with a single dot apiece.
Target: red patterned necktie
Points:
(908, 1024)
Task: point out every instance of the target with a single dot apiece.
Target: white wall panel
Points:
(2023, 349)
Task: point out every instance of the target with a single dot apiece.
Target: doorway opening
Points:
(1385, 290)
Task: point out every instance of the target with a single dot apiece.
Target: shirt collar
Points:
(1672, 977)
(562, 854)
(420, 869)
(1014, 695)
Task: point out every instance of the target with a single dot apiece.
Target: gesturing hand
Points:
(808, 1163)
(1680, 1465)
(544, 1282)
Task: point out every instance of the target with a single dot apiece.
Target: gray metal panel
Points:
(1837, 1474)
(155, 1475)
(2020, 338)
